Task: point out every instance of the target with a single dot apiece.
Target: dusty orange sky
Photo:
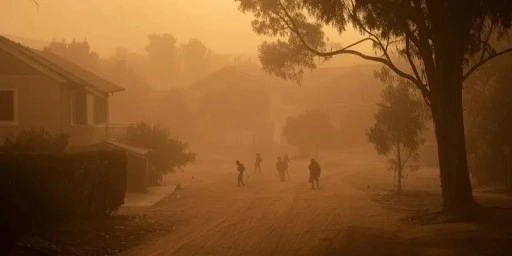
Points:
(108, 24)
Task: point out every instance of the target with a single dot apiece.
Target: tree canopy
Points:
(410, 29)
(309, 131)
(399, 123)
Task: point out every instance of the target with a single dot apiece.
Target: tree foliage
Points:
(168, 155)
(195, 58)
(309, 131)
(399, 123)
(488, 111)
(79, 53)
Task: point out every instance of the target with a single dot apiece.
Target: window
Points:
(79, 107)
(7, 106)
(100, 110)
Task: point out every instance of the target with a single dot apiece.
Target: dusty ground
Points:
(352, 214)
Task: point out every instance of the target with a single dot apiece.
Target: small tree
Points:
(399, 123)
(309, 132)
(169, 154)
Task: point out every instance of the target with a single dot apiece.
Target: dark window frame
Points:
(14, 115)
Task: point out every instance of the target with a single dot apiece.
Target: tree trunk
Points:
(449, 128)
(399, 169)
(446, 83)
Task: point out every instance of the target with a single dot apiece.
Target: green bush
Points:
(46, 188)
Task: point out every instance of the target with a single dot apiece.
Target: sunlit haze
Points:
(119, 23)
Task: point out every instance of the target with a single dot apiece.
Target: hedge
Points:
(55, 187)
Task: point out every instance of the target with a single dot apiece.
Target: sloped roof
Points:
(136, 150)
(227, 77)
(69, 71)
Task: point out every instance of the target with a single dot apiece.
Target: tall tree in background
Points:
(79, 53)
(488, 112)
(399, 123)
(195, 58)
(436, 38)
(310, 132)
(163, 56)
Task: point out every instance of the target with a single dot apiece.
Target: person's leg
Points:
(317, 186)
(240, 181)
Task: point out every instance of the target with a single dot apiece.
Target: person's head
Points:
(312, 160)
(258, 154)
(237, 162)
(278, 158)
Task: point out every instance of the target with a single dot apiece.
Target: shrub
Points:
(46, 188)
(168, 155)
(35, 141)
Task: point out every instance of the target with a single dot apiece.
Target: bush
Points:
(168, 154)
(46, 188)
(35, 141)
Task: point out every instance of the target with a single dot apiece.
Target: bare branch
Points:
(36, 3)
(485, 60)
(409, 58)
(294, 28)
(485, 42)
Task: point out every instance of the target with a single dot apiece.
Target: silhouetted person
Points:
(241, 169)
(314, 173)
(286, 160)
(280, 168)
(257, 163)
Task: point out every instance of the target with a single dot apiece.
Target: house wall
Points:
(42, 102)
(38, 101)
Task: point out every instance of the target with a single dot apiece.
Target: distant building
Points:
(41, 90)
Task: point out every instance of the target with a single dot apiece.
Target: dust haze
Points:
(255, 127)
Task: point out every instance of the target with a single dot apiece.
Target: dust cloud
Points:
(213, 127)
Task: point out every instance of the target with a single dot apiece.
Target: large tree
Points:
(442, 41)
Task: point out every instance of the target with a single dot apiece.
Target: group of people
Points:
(282, 169)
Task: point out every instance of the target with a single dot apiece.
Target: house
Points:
(41, 90)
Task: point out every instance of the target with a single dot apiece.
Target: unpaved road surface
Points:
(212, 216)
(269, 217)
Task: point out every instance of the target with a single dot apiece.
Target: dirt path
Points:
(271, 218)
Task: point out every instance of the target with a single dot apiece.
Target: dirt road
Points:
(269, 217)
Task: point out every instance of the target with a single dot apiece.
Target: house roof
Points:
(68, 71)
(136, 150)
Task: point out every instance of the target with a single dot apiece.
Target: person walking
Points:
(286, 160)
(241, 169)
(314, 173)
(257, 164)
(280, 169)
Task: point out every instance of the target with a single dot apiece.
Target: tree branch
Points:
(485, 60)
(294, 28)
(425, 93)
(485, 42)
(409, 58)
(36, 3)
